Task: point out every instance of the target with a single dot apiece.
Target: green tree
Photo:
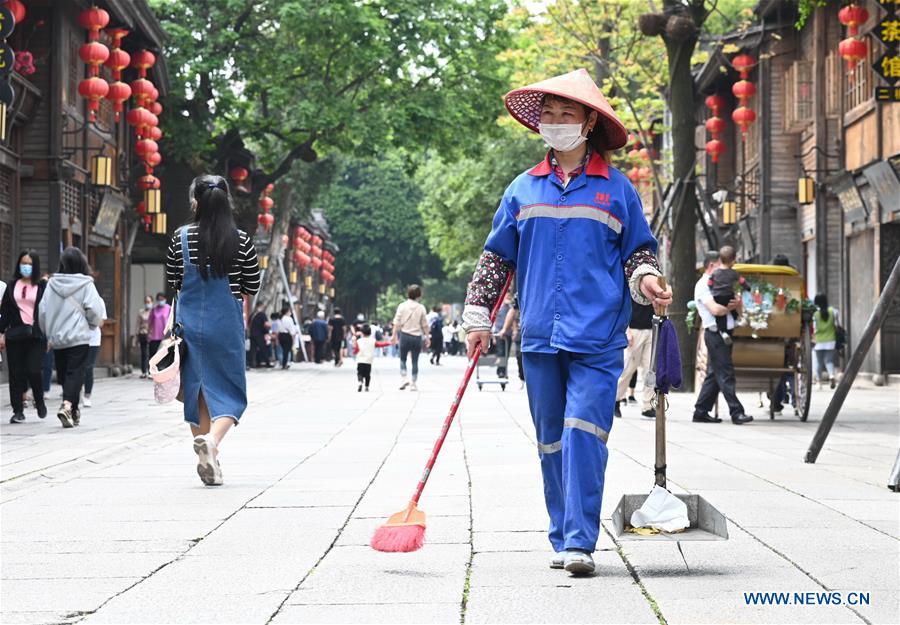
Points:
(371, 210)
(292, 78)
(460, 198)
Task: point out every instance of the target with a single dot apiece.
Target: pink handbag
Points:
(167, 381)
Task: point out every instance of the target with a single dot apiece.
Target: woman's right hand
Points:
(478, 340)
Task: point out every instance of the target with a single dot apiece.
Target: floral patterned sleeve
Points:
(490, 275)
(641, 263)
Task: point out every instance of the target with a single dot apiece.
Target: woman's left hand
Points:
(657, 295)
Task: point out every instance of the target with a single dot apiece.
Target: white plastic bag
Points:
(662, 511)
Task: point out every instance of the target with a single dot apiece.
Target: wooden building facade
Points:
(47, 201)
(816, 120)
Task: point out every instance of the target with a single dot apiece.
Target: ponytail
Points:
(217, 237)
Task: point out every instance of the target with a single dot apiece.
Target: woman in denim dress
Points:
(210, 312)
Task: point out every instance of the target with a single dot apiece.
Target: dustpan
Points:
(704, 521)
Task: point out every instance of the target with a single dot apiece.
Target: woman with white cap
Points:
(574, 231)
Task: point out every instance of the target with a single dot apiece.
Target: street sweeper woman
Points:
(573, 230)
(211, 264)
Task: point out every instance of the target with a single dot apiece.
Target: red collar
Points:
(596, 166)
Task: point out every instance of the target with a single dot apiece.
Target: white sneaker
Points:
(413, 387)
(403, 384)
(86, 401)
(558, 561)
(207, 464)
(578, 562)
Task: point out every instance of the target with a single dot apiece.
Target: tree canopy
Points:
(296, 78)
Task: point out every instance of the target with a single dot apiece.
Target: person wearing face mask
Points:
(21, 335)
(143, 332)
(156, 322)
(573, 230)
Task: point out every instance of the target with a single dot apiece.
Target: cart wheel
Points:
(479, 387)
(503, 387)
(803, 374)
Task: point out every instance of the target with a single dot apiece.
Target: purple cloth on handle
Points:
(668, 358)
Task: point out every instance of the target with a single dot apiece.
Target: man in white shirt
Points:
(719, 366)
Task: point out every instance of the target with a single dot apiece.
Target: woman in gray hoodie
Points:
(70, 309)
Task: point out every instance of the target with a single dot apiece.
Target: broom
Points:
(405, 530)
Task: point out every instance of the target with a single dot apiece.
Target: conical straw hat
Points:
(524, 104)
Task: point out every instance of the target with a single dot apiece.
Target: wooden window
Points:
(71, 200)
(75, 70)
(858, 83)
(6, 249)
(798, 103)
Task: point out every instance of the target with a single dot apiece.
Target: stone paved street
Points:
(108, 523)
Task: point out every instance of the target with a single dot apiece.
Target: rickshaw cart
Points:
(782, 348)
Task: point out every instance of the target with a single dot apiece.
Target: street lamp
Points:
(729, 212)
(806, 190)
(101, 171)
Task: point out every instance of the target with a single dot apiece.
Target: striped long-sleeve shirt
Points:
(243, 275)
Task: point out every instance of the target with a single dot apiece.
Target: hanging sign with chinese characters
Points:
(888, 64)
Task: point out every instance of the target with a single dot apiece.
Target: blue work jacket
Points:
(569, 246)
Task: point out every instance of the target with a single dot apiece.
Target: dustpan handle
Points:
(457, 400)
(659, 469)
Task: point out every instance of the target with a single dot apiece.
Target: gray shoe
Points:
(558, 561)
(207, 464)
(578, 562)
(65, 416)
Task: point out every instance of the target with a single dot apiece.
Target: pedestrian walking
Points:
(287, 332)
(436, 328)
(259, 329)
(410, 331)
(318, 331)
(364, 346)
(143, 331)
(503, 335)
(93, 352)
(637, 356)
(69, 313)
(211, 265)
(21, 335)
(448, 334)
(336, 332)
(574, 229)
(825, 325)
(156, 323)
(719, 366)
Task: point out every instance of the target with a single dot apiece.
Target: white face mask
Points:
(562, 137)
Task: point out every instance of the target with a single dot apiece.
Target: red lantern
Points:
(644, 153)
(145, 147)
(266, 220)
(156, 108)
(153, 159)
(148, 219)
(141, 89)
(715, 103)
(155, 133)
(316, 262)
(743, 63)
(142, 61)
(743, 90)
(853, 16)
(238, 174)
(266, 203)
(148, 182)
(141, 119)
(743, 117)
(269, 188)
(714, 147)
(17, 9)
(154, 94)
(141, 209)
(715, 125)
(317, 251)
(117, 61)
(93, 20)
(94, 89)
(94, 54)
(118, 93)
(853, 51)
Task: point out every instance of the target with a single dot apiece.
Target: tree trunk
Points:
(683, 248)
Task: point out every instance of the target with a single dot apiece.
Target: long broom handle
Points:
(456, 401)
